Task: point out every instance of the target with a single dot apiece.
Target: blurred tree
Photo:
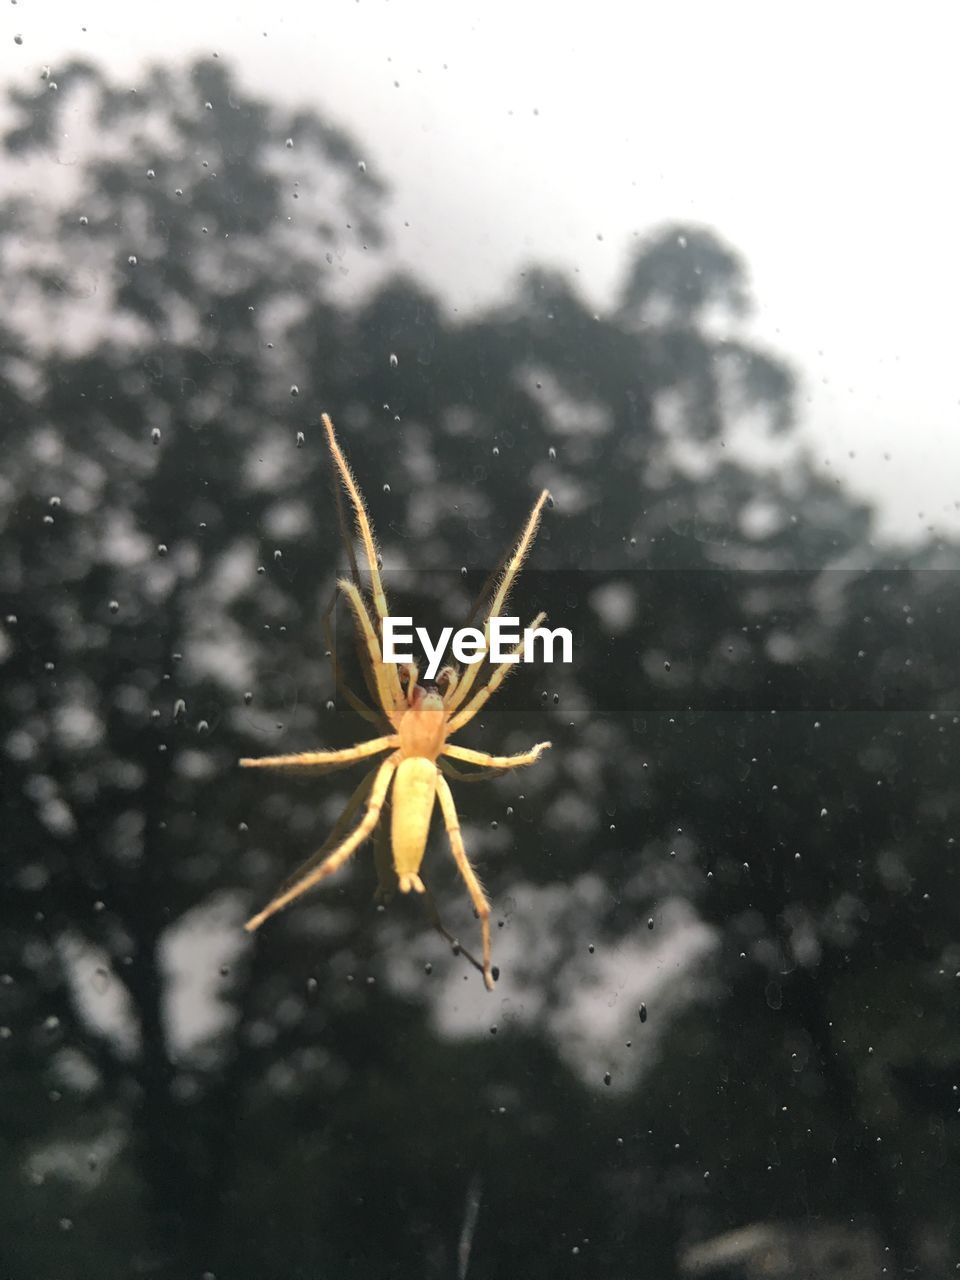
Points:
(746, 773)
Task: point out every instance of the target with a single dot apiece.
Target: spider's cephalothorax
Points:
(418, 720)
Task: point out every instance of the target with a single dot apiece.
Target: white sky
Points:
(814, 138)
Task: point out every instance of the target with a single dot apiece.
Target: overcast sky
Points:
(816, 139)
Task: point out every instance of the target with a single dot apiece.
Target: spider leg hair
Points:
(322, 759)
(482, 696)
(458, 775)
(340, 684)
(385, 675)
(364, 528)
(474, 887)
(340, 828)
(469, 677)
(338, 856)
(486, 761)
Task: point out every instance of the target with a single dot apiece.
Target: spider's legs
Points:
(338, 856)
(474, 888)
(469, 676)
(433, 915)
(496, 762)
(322, 759)
(340, 684)
(336, 835)
(385, 675)
(483, 696)
(364, 527)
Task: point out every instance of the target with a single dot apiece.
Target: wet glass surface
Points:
(724, 1038)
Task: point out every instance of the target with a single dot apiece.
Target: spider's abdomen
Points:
(414, 791)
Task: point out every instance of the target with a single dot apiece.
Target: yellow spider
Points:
(422, 718)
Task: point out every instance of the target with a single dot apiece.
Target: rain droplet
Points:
(132, 260)
(643, 1012)
(84, 220)
(114, 606)
(203, 726)
(607, 1077)
(301, 439)
(362, 166)
(394, 362)
(162, 549)
(289, 144)
(156, 435)
(151, 173)
(386, 488)
(552, 454)
(496, 451)
(294, 390)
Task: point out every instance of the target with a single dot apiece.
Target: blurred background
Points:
(691, 271)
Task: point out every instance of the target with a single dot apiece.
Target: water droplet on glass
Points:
(203, 726)
(394, 362)
(496, 451)
(248, 697)
(301, 439)
(151, 173)
(84, 220)
(289, 144)
(386, 488)
(114, 606)
(294, 390)
(156, 435)
(162, 549)
(552, 454)
(330, 704)
(132, 260)
(643, 1012)
(362, 166)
